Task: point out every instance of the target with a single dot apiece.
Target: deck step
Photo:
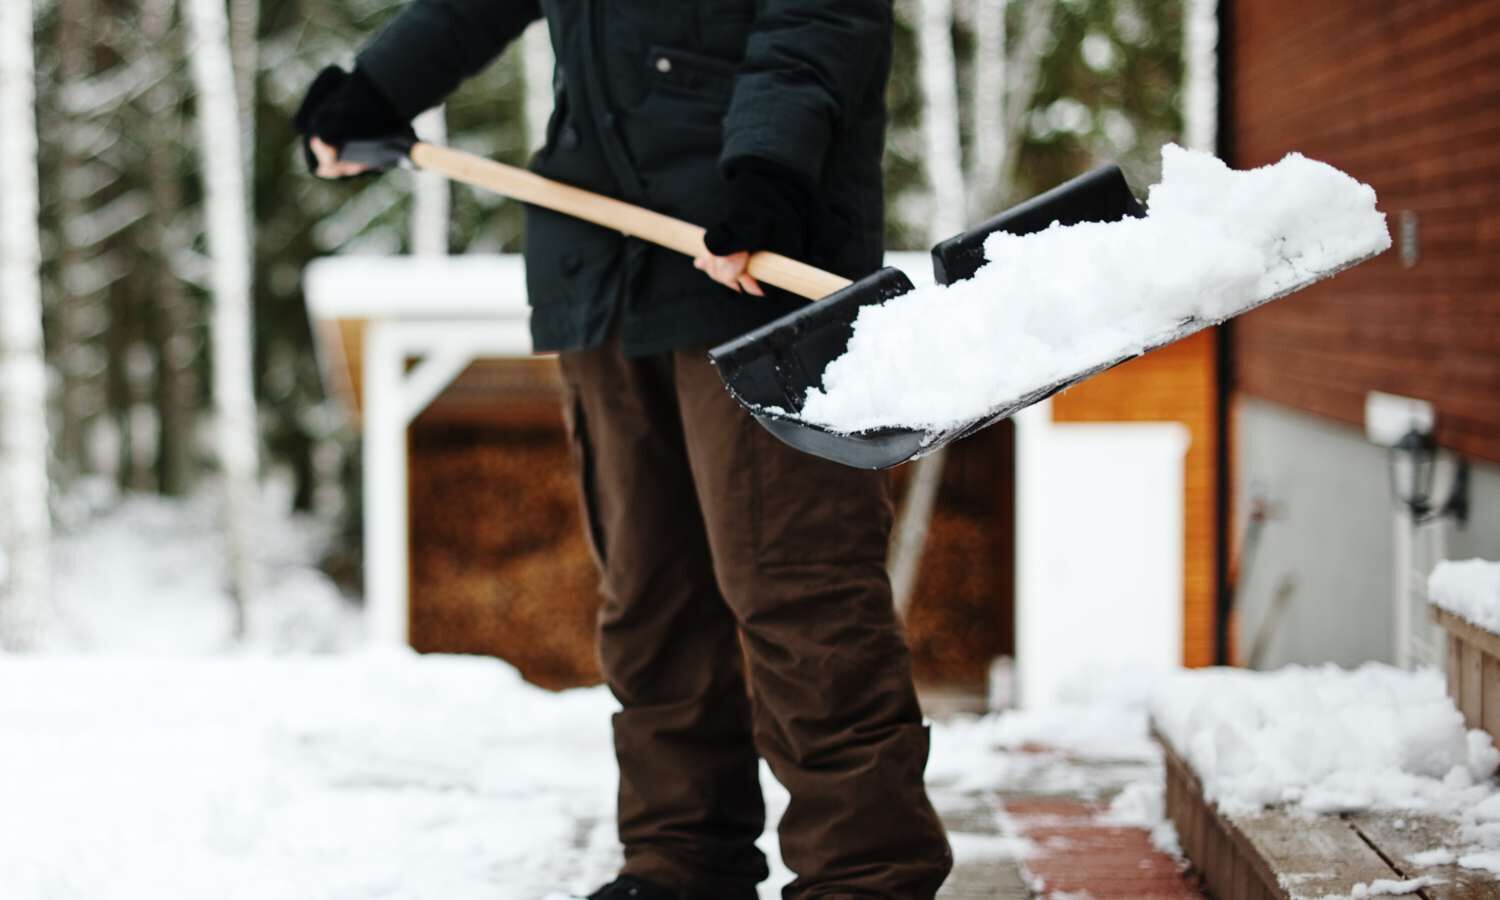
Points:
(1277, 855)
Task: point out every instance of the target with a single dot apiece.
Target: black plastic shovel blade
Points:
(771, 369)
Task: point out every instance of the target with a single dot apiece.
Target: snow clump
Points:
(1470, 589)
(1049, 305)
(1326, 740)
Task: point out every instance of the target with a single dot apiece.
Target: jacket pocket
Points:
(570, 261)
(677, 132)
(691, 76)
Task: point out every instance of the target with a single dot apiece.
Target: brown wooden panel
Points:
(1471, 673)
(1271, 854)
(343, 345)
(1176, 384)
(1405, 96)
(1452, 665)
(1418, 833)
(509, 392)
(1322, 856)
(1473, 670)
(1489, 704)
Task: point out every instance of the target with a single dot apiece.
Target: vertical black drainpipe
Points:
(1224, 361)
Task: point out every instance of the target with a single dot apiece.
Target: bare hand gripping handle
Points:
(626, 218)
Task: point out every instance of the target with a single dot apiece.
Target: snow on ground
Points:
(358, 776)
(367, 775)
(1331, 740)
(1051, 304)
(1469, 589)
(143, 574)
(145, 755)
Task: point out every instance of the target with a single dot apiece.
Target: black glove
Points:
(771, 208)
(345, 106)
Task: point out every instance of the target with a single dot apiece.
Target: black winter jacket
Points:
(654, 98)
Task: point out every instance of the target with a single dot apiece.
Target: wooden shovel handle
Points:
(674, 234)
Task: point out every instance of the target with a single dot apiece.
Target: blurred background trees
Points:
(126, 271)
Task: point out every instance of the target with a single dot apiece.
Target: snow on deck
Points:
(1327, 740)
(1470, 589)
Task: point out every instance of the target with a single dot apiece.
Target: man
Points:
(746, 612)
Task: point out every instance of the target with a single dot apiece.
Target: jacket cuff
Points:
(779, 129)
(388, 69)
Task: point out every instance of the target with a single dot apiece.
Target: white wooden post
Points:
(385, 487)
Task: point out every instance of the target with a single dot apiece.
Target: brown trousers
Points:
(727, 555)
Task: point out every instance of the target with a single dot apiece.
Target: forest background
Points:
(990, 100)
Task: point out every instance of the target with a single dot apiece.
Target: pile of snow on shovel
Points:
(1052, 304)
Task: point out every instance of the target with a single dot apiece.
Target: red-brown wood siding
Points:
(1406, 97)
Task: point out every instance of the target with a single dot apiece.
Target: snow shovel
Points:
(770, 370)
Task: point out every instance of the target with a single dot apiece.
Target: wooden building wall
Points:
(1406, 97)
(499, 565)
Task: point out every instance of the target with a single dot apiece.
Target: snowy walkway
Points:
(139, 760)
(411, 777)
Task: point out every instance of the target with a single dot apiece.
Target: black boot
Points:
(628, 887)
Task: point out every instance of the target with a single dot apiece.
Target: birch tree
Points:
(223, 173)
(988, 98)
(25, 525)
(244, 54)
(1005, 84)
(1200, 75)
(937, 73)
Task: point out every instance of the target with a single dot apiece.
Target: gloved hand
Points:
(344, 106)
(771, 208)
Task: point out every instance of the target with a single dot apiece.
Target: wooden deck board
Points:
(1278, 855)
(1312, 857)
(1398, 838)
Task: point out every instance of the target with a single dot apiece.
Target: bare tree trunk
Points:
(228, 241)
(25, 523)
(938, 75)
(430, 193)
(244, 50)
(537, 63)
(177, 380)
(937, 72)
(1200, 75)
(990, 138)
(909, 538)
(80, 317)
(1024, 71)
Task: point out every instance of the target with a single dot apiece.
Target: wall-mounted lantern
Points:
(1431, 484)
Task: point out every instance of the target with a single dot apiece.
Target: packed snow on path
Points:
(144, 754)
(384, 775)
(1048, 305)
(1329, 740)
(1470, 589)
